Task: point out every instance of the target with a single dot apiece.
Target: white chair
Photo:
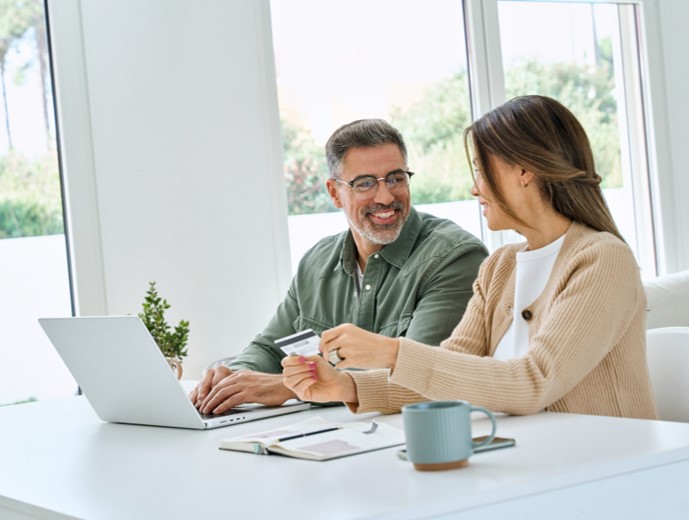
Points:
(667, 351)
(668, 300)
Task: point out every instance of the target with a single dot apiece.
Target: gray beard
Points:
(386, 235)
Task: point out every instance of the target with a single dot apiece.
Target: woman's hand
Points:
(358, 348)
(313, 379)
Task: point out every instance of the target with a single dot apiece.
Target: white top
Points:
(360, 275)
(532, 273)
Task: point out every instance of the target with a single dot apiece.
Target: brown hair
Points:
(541, 135)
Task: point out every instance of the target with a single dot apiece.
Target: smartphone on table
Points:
(495, 444)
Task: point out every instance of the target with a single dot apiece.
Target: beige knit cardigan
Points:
(586, 341)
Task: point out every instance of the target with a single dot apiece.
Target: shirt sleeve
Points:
(445, 294)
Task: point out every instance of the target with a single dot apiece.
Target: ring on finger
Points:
(334, 357)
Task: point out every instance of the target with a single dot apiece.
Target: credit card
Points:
(304, 343)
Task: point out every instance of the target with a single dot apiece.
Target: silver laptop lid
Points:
(125, 376)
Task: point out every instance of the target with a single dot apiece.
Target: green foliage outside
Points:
(306, 171)
(30, 199)
(172, 343)
(588, 93)
(433, 127)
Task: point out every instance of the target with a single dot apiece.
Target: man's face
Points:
(379, 220)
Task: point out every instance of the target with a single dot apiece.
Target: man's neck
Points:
(364, 249)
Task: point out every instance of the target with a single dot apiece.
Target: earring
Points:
(525, 184)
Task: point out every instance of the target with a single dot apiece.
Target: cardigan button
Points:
(527, 315)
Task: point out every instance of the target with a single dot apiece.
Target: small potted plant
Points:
(171, 342)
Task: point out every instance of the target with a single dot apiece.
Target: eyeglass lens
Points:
(366, 186)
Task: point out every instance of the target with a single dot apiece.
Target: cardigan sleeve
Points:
(596, 296)
(377, 394)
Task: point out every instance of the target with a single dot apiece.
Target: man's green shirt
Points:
(417, 287)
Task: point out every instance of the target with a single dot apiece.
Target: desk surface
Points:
(58, 460)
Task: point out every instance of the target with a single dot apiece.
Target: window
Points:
(406, 61)
(587, 55)
(34, 274)
(401, 60)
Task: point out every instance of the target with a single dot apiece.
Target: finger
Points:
(302, 370)
(329, 338)
(292, 361)
(300, 385)
(219, 396)
(203, 388)
(295, 370)
(224, 404)
(226, 388)
(325, 345)
(221, 373)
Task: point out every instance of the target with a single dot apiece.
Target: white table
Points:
(58, 460)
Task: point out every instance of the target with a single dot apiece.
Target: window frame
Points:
(487, 90)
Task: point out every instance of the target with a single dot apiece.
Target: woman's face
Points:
(508, 177)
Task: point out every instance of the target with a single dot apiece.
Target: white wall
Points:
(183, 183)
(165, 104)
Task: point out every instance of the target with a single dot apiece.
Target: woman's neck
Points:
(549, 229)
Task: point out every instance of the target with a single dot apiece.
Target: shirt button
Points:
(368, 287)
(376, 255)
(527, 315)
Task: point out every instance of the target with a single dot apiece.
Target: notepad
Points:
(318, 439)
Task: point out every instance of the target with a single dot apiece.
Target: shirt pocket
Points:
(397, 328)
(403, 325)
(304, 322)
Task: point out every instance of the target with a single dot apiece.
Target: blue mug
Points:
(438, 433)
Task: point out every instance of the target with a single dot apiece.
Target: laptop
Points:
(126, 378)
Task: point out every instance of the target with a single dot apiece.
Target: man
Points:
(395, 272)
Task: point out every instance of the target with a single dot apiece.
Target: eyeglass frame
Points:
(408, 173)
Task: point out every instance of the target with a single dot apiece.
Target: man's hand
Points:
(359, 348)
(222, 389)
(212, 377)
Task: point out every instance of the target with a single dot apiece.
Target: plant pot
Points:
(176, 366)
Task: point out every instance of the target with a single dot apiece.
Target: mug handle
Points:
(491, 416)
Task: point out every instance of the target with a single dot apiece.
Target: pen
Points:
(296, 436)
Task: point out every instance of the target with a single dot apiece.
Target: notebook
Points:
(126, 378)
(318, 439)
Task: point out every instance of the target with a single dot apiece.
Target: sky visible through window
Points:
(313, 64)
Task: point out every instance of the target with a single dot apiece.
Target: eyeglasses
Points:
(366, 186)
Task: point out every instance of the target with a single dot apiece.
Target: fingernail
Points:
(314, 377)
(302, 359)
(312, 365)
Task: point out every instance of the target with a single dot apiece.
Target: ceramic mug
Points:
(438, 433)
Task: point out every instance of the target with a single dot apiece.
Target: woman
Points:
(556, 323)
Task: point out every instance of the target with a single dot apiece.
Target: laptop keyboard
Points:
(231, 411)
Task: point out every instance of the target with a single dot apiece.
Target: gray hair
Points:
(363, 133)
